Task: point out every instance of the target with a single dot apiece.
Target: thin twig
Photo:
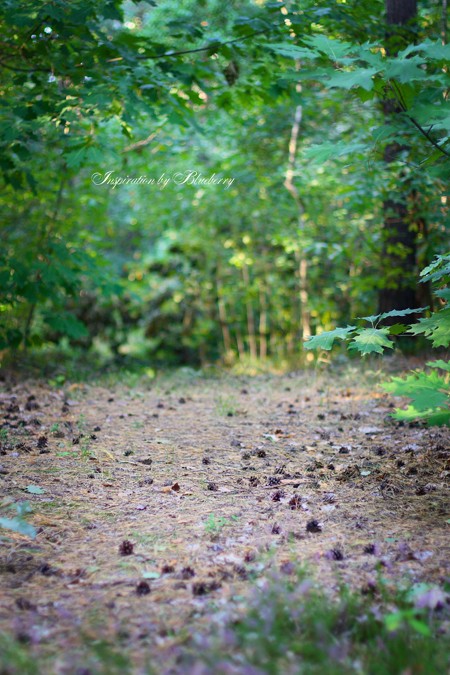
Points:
(25, 70)
(213, 46)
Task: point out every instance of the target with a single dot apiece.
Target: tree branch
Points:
(213, 45)
(424, 132)
(25, 70)
(427, 136)
(140, 144)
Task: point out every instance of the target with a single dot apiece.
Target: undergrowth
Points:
(290, 627)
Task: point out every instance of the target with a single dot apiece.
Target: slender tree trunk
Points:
(303, 294)
(250, 318)
(399, 253)
(262, 324)
(305, 325)
(223, 318)
(240, 345)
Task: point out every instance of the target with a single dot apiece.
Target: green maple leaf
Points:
(427, 391)
(434, 418)
(371, 341)
(322, 152)
(334, 49)
(326, 340)
(354, 78)
(406, 70)
(436, 328)
(292, 51)
(436, 270)
(394, 312)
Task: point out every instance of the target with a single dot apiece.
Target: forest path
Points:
(214, 483)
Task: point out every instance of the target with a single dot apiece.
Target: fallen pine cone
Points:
(126, 548)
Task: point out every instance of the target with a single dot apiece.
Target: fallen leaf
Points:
(35, 490)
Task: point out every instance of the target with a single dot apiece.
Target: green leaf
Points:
(67, 324)
(76, 158)
(23, 508)
(371, 341)
(443, 293)
(397, 329)
(326, 340)
(435, 50)
(443, 365)
(419, 626)
(406, 70)
(35, 490)
(321, 153)
(334, 49)
(393, 621)
(394, 312)
(433, 418)
(427, 390)
(363, 77)
(436, 328)
(292, 51)
(435, 271)
(18, 525)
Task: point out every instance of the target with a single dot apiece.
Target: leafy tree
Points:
(285, 99)
(428, 390)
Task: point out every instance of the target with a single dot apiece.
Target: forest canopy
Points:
(187, 182)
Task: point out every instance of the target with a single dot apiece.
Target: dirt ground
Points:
(160, 506)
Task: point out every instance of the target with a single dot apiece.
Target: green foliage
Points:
(192, 274)
(215, 524)
(326, 339)
(370, 340)
(429, 392)
(414, 79)
(293, 627)
(18, 523)
(286, 627)
(436, 328)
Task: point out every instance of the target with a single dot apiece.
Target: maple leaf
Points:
(371, 340)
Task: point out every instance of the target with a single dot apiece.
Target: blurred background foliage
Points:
(253, 91)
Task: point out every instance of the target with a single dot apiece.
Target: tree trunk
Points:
(240, 345)
(250, 317)
(399, 253)
(303, 296)
(302, 262)
(262, 324)
(400, 12)
(223, 317)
